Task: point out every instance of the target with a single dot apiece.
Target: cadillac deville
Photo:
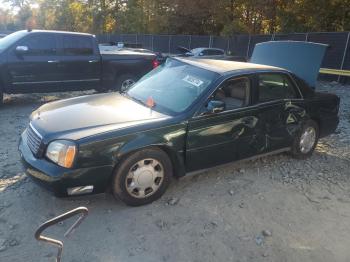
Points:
(183, 116)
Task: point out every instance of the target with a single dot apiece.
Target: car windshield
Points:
(172, 87)
(10, 39)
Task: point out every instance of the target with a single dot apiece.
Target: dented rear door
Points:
(281, 110)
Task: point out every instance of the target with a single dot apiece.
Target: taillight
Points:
(155, 63)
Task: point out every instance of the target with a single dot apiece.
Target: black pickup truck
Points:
(51, 61)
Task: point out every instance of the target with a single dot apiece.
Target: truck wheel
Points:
(124, 82)
(142, 177)
(306, 141)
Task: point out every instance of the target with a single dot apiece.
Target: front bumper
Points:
(59, 179)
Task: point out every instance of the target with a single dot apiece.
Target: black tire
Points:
(296, 150)
(120, 178)
(120, 81)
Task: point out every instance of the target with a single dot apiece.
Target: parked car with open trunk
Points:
(185, 115)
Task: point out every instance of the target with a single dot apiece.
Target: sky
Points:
(4, 4)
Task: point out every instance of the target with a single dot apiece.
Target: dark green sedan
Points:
(184, 116)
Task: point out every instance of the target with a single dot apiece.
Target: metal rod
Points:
(169, 43)
(228, 44)
(247, 54)
(152, 42)
(344, 55)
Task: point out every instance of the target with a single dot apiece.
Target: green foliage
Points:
(217, 17)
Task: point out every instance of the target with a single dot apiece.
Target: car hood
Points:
(84, 116)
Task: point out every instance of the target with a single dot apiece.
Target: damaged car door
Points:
(280, 109)
(223, 134)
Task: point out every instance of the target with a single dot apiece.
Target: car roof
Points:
(223, 66)
(54, 31)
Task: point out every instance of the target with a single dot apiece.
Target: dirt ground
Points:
(272, 209)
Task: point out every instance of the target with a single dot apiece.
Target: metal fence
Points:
(337, 55)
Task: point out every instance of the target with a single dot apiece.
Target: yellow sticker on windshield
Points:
(193, 81)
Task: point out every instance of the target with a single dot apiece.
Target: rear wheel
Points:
(142, 177)
(124, 82)
(306, 141)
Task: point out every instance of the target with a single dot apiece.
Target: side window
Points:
(275, 87)
(215, 52)
(40, 44)
(204, 52)
(234, 92)
(77, 45)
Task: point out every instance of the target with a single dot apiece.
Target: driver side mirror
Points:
(21, 49)
(215, 106)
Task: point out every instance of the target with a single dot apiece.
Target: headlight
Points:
(62, 152)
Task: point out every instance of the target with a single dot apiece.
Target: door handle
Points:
(93, 61)
(53, 61)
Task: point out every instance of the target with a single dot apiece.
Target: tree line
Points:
(214, 17)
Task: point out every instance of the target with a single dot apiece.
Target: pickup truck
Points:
(50, 61)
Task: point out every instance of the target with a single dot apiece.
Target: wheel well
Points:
(119, 75)
(318, 122)
(178, 167)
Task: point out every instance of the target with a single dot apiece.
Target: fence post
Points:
(136, 38)
(228, 44)
(169, 44)
(210, 38)
(247, 54)
(189, 46)
(306, 37)
(152, 42)
(344, 55)
(273, 37)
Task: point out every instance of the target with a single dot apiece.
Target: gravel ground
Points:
(275, 208)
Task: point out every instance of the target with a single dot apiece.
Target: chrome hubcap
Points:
(127, 84)
(307, 140)
(144, 178)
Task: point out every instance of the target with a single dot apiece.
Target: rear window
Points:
(275, 87)
(77, 45)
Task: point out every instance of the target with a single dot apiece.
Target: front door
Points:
(36, 69)
(218, 138)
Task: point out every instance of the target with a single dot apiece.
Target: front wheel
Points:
(306, 140)
(142, 177)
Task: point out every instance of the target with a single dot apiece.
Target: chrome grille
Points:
(33, 139)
